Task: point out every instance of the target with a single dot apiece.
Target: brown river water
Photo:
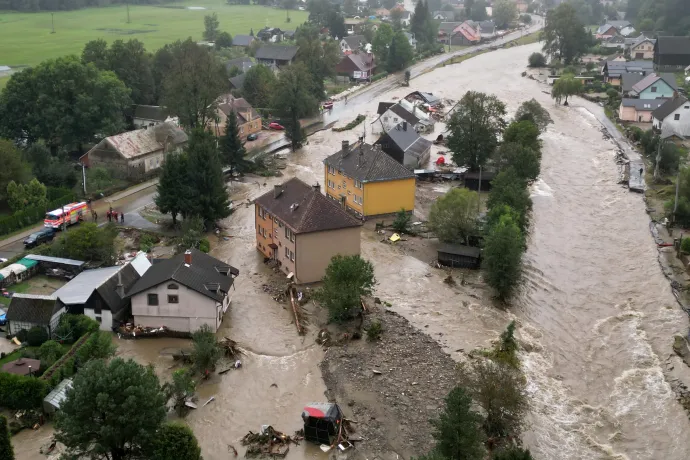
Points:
(596, 314)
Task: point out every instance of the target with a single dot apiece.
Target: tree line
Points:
(670, 16)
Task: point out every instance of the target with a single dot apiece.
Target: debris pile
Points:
(229, 347)
(269, 442)
(130, 330)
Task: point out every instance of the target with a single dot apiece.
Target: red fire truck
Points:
(68, 214)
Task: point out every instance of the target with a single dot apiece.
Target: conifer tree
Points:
(231, 146)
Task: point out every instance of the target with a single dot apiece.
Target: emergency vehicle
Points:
(69, 214)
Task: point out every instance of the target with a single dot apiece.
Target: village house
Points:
(466, 34)
(638, 110)
(183, 293)
(391, 115)
(411, 40)
(674, 106)
(382, 13)
(302, 230)
(655, 86)
(444, 16)
(136, 154)
(354, 26)
(29, 310)
(242, 41)
(614, 42)
(405, 18)
(613, 28)
(487, 29)
(237, 82)
(445, 31)
(248, 119)
(676, 126)
(270, 34)
(151, 115)
(628, 80)
(100, 293)
(242, 64)
(352, 44)
(276, 56)
(367, 181)
(357, 66)
(406, 146)
(613, 70)
(642, 48)
(671, 54)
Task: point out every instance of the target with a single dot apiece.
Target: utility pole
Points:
(658, 160)
(52, 20)
(479, 192)
(128, 13)
(675, 202)
(83, 176)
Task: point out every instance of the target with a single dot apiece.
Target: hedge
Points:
(18, 392)
(379, 76)
(31, 215)
(360, 118)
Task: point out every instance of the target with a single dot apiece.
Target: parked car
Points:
(276, 126)
(42, 236)
(252, 137)
(3, 317)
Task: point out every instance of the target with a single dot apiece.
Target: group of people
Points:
(111, 215)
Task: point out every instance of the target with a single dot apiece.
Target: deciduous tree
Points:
(565, 86)
(206, 352)
(293, 100)
(564, 34)
(458, 431)
(400, 53)
(536, 60)
(347, 280)
(319, 57)
(13, 168)
(504, 12)
(180, 389)
(130, 61)
(211, 25)
(113, 410)
(474, 129)
(502, 258)
(453, 217)
(524, 160)
(525, 133)
(512, 453)
(223, 40)
(87, 242)
(382, 41)
(174, 440)
(259, 86)
(508, 188)
(533, 111)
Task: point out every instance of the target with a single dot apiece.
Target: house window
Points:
(344, 184)
(395, 119)
(173, 298)
(385, 118)
(331, 170)
(654, 89)
(280, 224)
(357, 199)
(331, 184)
(241, 129)
(262, 213)
(289, 235)
(153, 299)
(289, 254)
(358, 184)
(99, 319)
(173, 286)
(676, 116)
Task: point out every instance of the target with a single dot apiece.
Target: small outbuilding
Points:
(55, 398)
(22, 366)
(459, 256)
(57, 266)
(472, 180)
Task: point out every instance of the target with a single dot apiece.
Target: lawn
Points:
(3, 82)
(39, 284)
(27, 40)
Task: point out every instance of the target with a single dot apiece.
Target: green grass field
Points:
(26, 38)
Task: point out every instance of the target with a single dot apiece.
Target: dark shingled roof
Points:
(409, 141)
(304, 209)
(373, 165)
(31, 308)
(383, 106)
(630, 79)
(243, 63)
(354, 41)
(460, 250)
(238, 81)
(242, 40)
(643, 104)
(400, 111)
(668, 107)
(204, 271)
(448, 27)
(151, 112)
(673, 45)
(277, 52)
(108, 290)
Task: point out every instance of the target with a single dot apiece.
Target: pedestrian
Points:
(122, 217)
(109, 215)
(95, 216)
(641, 171)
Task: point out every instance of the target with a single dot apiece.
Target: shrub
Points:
(537, 60)
(49, 352)
(347, 280)
(6, 450)
(22, 335)
(18, 392)
(146, 242)
(402, 221)
(71, 327)
(204, 245)
(37, 336)
(360, 118)
(685, 245)
(375, 330)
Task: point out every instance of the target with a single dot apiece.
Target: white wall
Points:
(105, 315)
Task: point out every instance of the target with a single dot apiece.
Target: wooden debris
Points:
(230, 347)
(293, 302)
(270, 442)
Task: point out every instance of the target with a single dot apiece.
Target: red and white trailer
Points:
(68, 214)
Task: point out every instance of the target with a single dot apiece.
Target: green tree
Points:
(6, 449)
(505, 351)
(207, 195)
(318, 56)
(14, 169)
(96, 52)
(37, 336)
(564, 34)
(98, 346)
(173, 187)
(192, 233)
(382, 41)
(181, 388)
(533, 111)
(292, 100)
(504, 13)
(478, 11)
(113, 410)
(565, 86)
(453, 217)
(174, 440)
(192, 83)
(63, 102)
(401, 224)
(510, 189)
(525, 133)
(512, 453)
(49, 352)
(211, 25)
(231, 147)
(336, 24)
(223, 40)
(536, 60)
(347, 280)
(474, 129)
(400, 53)
(457, 431)
(502, 258)
(206, 352)
(258, 87)
(53, 171)
(419, 18)
(36, 193)
(130, 61)
(88, 242)
(500, 391)
(524, 160)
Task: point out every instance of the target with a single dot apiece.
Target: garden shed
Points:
(459, 256)
(53, 401)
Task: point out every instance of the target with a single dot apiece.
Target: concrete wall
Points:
(193, 309)
(315, 250)
(106, 317)
(389, 197)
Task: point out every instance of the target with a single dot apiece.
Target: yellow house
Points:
(367, 181)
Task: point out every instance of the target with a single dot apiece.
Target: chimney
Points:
(277, 190)
(188, 257)
(120, 288)
(404, 126)
(346, 146)
(317, 187)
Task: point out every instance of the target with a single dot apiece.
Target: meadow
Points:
(26, 38)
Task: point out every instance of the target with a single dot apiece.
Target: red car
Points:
(275, 125)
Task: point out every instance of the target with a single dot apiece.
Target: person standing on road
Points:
(122, 217)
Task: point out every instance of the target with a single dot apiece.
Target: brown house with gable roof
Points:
(302, 230)
(248, 119)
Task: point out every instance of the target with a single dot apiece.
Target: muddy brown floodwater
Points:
(596, 314)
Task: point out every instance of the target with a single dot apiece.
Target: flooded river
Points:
(596, 314)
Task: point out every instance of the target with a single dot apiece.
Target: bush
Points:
(360, 118)
(375, 330)
(402, 221)
(18, 392)
(685, 245)
(22, 335)
(347, 280)
(146, 242)
(37, 336)
(6, 450)
(72, 327)
(537, 60)
(204, 245)
(30, 215)
(49, 352)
